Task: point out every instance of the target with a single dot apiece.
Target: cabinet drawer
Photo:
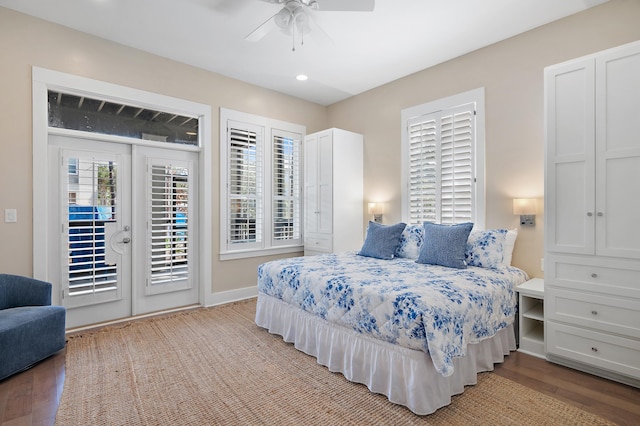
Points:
(609, 276)
(318, 243)
(601, 350)
(610, 314)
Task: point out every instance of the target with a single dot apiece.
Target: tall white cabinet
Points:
(333, 188)
(592, 213)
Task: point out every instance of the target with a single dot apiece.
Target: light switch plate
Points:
(10, 215)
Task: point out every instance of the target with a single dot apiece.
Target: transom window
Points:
(74, 112)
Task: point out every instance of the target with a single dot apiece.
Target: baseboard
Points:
(222, 297)
(631, 381)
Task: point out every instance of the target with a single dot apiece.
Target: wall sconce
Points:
(526, 208)
(376, 210)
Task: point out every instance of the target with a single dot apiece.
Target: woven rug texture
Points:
(215, 366)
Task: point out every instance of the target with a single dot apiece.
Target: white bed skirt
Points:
(406, 376)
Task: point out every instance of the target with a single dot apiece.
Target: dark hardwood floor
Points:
(32, 397)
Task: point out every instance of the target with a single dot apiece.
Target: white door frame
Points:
(44, 80)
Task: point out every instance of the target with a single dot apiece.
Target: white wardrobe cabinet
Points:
(333, 191)
(592, 205)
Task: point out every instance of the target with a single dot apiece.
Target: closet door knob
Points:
(594, 275)
(600, 214)
(594, 312)
(589, 214)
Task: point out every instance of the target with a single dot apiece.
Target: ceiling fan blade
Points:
(346, 5)
(317, 32)
(228, 6)
(262, 30)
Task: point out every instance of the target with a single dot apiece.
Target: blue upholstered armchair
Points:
(30, 328)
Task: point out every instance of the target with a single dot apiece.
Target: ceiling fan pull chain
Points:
(293, 37)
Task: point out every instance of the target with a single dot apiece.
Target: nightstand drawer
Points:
(610, 314)
(601, 350)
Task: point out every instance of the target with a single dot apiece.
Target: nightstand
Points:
(531, 317)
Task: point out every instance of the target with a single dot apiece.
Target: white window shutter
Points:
(423, 170)
(286, 188)
(245, 180)
(168, 218)
(441, 166)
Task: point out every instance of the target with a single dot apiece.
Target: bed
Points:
(414, 331)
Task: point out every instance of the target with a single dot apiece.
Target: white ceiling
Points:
(366, 50)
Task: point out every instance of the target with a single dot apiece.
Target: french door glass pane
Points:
(169, 216)
(91, 201)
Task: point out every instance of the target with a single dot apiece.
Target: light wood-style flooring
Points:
(32, 397)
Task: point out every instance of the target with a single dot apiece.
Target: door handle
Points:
(113, 247)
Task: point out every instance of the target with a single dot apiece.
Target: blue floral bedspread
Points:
(435, 309)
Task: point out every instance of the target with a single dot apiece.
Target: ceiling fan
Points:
(296, 17)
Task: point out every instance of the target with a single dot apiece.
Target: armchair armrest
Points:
(17, 291)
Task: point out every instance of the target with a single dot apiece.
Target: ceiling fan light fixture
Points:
(296, 17)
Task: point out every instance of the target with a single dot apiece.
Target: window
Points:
(443, 160)
(260, 185)
(87, 114)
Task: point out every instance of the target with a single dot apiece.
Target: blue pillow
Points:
(382, 241)
(445, 245)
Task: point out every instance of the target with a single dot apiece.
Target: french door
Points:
(123, 223)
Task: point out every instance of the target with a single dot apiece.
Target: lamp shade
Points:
(375, 208)
(524, 206)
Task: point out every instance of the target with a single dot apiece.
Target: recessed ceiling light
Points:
(301, 77)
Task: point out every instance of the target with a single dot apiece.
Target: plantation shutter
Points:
(441, 175)
(245, 185)
(91, 204)
(423, 170)
(286, 188)
(169, 220)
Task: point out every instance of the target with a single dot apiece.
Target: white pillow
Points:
(411, 242)
(509, 243)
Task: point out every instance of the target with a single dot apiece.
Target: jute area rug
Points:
(214, 366)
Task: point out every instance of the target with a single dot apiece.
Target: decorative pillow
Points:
(410, 242)
(382, 240)
(509, 243)
(445, 245)
(485, 248)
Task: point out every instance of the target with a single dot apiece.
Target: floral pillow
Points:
(410, 242)
(485, 248)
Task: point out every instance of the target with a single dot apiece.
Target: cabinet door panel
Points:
(618, 233)
(570, 182)
(618, 153)
(618, 99)
(574, 226)
(325, 183)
